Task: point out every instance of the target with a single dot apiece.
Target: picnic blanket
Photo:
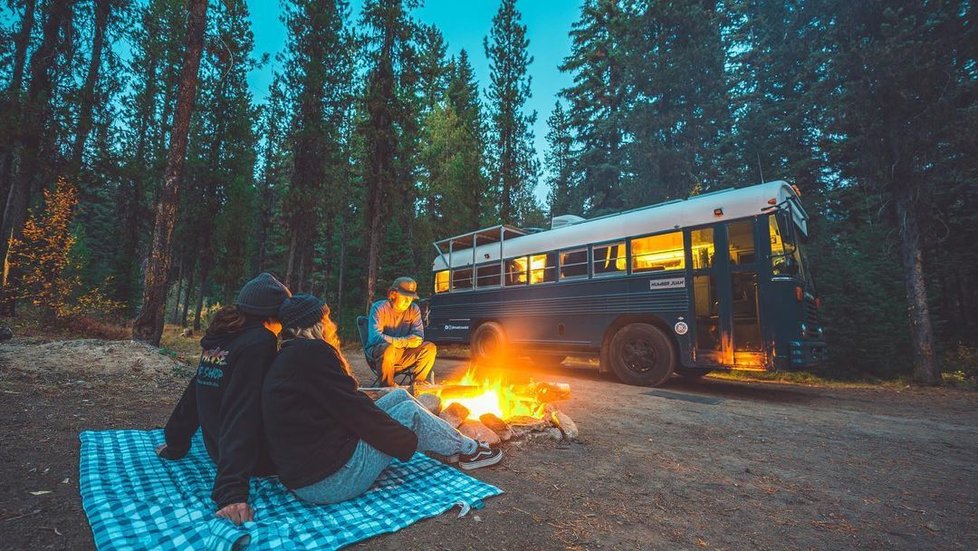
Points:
(135, 500)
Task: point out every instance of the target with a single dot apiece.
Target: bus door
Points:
(725, 296)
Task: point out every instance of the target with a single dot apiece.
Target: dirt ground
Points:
(711, 464)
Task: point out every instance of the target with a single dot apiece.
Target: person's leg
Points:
(419, 360)
(389, 360)
(434, 434)
(392, 398)
(353, 479)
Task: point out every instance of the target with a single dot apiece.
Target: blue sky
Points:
(464, 24)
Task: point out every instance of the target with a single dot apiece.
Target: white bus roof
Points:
(501, 242)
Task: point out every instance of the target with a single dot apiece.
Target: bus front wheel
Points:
(489, 342)
(641, 354)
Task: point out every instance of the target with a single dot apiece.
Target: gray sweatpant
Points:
(366, 464)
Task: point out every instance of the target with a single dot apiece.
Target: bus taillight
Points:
(799, 294)
(818, 303)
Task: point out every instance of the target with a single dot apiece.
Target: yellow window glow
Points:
(441, 281)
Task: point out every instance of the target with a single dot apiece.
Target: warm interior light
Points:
(441, 281)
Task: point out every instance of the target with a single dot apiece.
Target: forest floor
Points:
(713, 464)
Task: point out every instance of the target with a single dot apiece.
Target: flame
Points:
(491, 396)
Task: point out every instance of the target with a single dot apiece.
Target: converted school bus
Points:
(714, 282)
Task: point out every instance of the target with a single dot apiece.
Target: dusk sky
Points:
(464, 25)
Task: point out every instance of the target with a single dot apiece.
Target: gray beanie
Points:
(302, 310)
(262, 296)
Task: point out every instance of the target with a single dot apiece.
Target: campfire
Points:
(492, 409)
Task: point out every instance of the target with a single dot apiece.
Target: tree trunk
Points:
(175, 316)
(148, 326)
(87, 93)
(205, 274)
(925, 369)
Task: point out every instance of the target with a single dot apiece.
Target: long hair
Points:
(326, 330)
(227, 320)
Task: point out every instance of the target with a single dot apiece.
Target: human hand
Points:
(237, 512)
(414, 341)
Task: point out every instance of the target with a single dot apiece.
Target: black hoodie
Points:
(224, 400)
(315, 416)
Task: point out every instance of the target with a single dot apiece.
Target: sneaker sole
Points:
(481, 463)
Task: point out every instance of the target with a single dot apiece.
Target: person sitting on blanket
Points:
(330, 441)
(395, 335)
(224, 397)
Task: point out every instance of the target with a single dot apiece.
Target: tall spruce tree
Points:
(598, 103)
(514, 167)
(319, 71)
(564, 196)
(903, 94)
(387, 130)
(674, 69)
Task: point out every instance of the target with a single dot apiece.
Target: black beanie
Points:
(262, 296)
(302, 310)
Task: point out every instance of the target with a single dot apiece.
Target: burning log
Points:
(431, 402)
(454, 414)
(479, 432)
(549, 392)
(497, 425)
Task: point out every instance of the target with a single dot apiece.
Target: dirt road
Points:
(704, 465)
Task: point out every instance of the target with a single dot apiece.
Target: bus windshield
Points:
(786, 257)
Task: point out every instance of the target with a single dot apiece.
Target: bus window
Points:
(516, 271)
(462, 278)
(609, 259)
(487, 275)
(441, 281)
(658, 252)
(543, 268)
(573, 264)
(703, 249)
(741, 237)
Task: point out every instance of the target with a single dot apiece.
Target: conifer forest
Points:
(143, 183)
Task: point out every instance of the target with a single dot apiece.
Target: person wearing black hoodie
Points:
(328, 440)
(224, 396)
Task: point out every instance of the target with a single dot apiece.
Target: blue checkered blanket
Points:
(135, 500)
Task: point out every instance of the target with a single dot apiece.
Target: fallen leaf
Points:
(40, 492)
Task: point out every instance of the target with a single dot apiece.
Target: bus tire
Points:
(489, 342)
(641, 354)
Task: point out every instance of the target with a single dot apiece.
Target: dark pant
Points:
(391, 360)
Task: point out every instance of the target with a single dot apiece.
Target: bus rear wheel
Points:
(641, 354)
(489, 342)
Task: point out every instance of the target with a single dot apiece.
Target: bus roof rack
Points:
(484, 236)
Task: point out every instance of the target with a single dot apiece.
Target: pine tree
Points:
(598, 103)
(674, 67)
(563, 197)
(388, 131)
(514, 165)
(319, 71)
(148, 326)
(897, 74)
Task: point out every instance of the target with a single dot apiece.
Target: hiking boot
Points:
(483, 457)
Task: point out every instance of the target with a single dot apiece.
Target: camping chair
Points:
(402, 378)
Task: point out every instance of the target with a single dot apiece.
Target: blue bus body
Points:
(739, 305)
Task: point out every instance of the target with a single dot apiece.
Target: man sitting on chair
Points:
(395, 336)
